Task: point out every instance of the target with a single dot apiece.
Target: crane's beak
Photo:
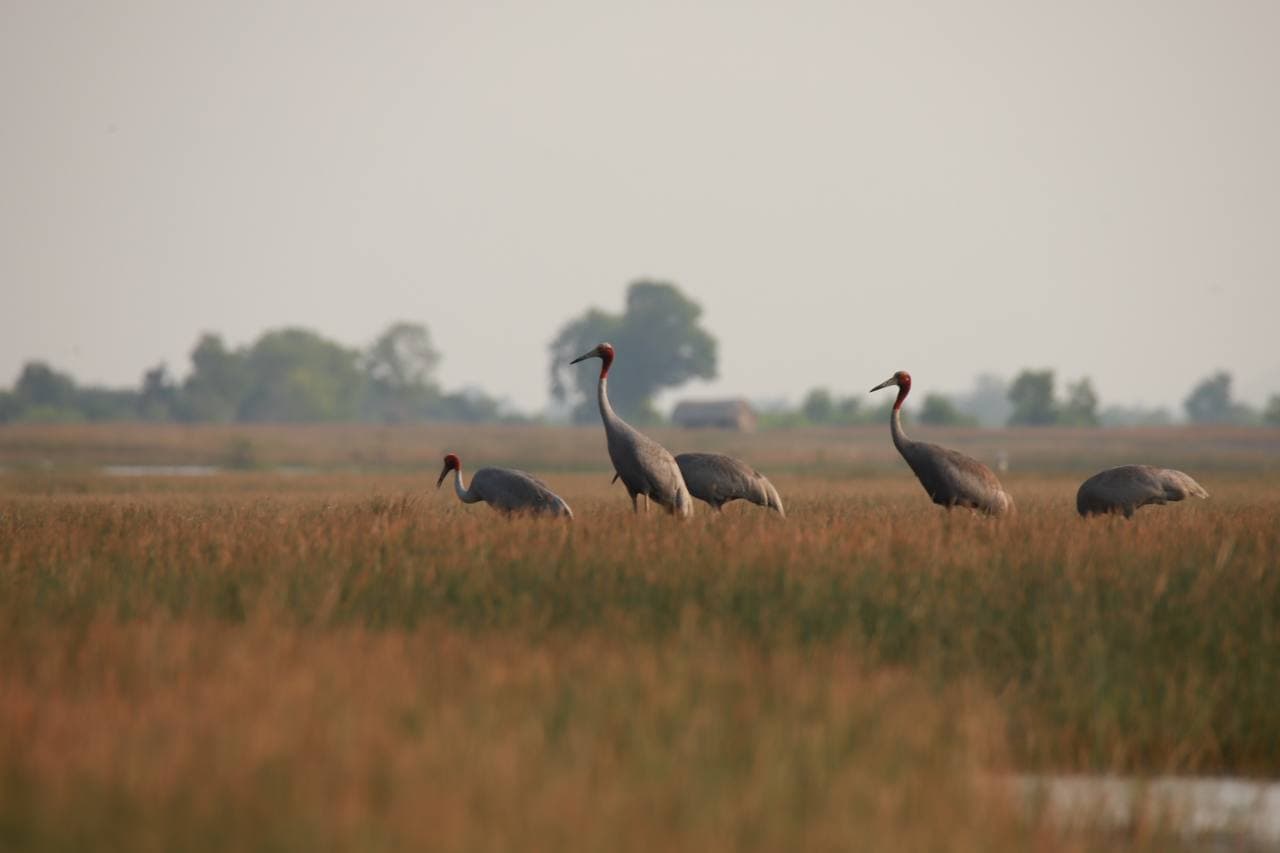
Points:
(443, 474)
(892, 380)
(586, 355)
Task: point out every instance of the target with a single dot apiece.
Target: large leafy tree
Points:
(217, 385)
(660, 345)
(1210, 402)
(1032, 397)
(400, 366)
(297, 375)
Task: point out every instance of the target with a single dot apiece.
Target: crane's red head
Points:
(903, 380)
(604, 352)
(451, 463)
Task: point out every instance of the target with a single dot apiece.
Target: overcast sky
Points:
(847, 188)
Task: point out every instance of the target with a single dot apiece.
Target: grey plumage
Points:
(949, 477)
(718, 479)
(1128, 487)
(505, 489)
(646, 468)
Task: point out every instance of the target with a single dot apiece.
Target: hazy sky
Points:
(847, 188)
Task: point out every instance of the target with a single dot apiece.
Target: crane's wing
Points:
(1127, 487)
(517, 491)
(951, 477)
(717, 478)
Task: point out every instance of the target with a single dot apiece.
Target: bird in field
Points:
(507, 490)
(1128, 487)
(646, 468)
(718, 479)
(950, 477)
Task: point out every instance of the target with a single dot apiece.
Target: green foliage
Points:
(217, 384)
(660, 345)
(296, 375)
(400, 367)
(938, 410)
(1032, 397)
(1081, 408)
(1271, 415)
(1210, 403)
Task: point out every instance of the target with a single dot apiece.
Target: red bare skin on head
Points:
(606, 359)
(451, 463)
(904, 388)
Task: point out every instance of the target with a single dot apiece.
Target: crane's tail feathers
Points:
(771, 497)
(1178, 485)
(1002, 504)
(684, 503)
(616, 475)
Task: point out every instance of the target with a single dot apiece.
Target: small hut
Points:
(736, 415)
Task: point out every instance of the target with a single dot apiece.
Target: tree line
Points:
(1031, 399)
(286, 375)
(297, 375)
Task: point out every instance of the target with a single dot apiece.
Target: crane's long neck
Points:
(900, 439)
(464, 494)
(607, 414)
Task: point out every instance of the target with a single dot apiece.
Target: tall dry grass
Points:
(353, 661)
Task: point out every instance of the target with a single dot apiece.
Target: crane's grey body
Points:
(949, 477)
(510, 491)
(718, 479)
(645, 467)
(1128, 487)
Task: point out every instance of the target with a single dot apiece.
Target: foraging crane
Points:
(1128, 487)
(950, 477)
(718, 479)
(646, 467)
(505, 489)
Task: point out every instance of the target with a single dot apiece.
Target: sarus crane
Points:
(718, 479)
(950, 477)
(1128, 487)
(646, 468)
(507, 490)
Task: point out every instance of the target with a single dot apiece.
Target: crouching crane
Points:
(718, 479)
(646, 468)
(950, 477)
(505, 489)
(1128, 487)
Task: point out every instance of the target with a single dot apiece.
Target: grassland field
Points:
(337, 656)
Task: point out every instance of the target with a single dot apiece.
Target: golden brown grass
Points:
(359, 662)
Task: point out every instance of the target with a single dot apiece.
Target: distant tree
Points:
(1271, 415)
(1210, 403)
(1081, 408)
(818, 407)
(400, 368)
(217, 385)
(1135, 416)
(660, 345)
(1032, 397)
(39, 385)
(938, 410)
(297, 375)
(988, 401)
(108, 404)
(159, 395)
(9, 408)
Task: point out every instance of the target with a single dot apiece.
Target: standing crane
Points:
(646, 468)
(505, 489)
(718, 479)
(950, 477)
(1128, 487)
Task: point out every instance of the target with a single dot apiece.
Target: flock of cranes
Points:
(650, 473)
